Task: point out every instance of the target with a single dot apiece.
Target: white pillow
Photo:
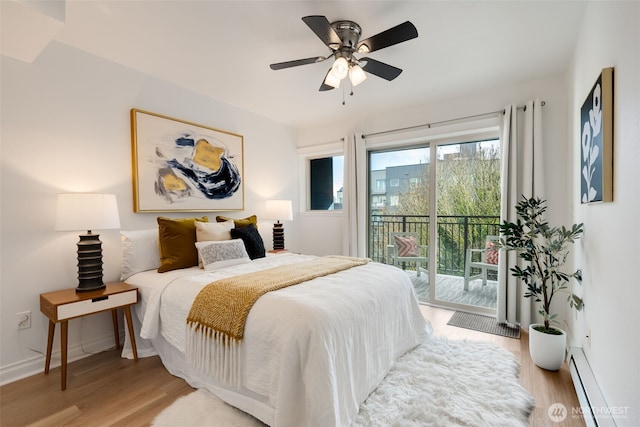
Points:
(140, 251)
(207, 231)
(223, 253)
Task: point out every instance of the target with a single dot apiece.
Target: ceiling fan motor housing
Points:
(349, 33)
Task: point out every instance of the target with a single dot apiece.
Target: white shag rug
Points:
(439, 383)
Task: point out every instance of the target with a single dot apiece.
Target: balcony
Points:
(456, 234)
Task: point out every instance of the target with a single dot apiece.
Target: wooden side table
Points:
(60, 306)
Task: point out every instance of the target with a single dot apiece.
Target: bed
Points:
(310, 354)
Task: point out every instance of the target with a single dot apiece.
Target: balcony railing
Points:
(456, 234)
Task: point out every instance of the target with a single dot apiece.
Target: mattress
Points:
(311, 353)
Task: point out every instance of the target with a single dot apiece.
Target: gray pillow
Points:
(223, 253)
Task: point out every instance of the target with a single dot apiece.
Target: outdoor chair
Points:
(404, 248)
(482, 260)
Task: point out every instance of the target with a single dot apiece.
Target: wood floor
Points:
(106, 390)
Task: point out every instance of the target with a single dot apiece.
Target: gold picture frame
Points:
(596, 140)
(180, 166)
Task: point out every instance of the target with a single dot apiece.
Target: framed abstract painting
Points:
(179, 166)
(596, 135)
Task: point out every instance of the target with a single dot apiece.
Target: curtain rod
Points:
(441, 122)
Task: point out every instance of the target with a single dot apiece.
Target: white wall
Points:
(610, 36)
(66, 128)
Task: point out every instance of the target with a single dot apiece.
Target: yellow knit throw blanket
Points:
(218, 315)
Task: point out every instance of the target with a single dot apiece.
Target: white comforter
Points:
(312, 352)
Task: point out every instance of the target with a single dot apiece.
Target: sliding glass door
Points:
(443, 198)
(468, 217)
(399, 194)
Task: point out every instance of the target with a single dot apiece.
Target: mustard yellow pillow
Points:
(177, 240)
(242, 222)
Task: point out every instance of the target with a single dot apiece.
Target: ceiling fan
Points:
(343, 40)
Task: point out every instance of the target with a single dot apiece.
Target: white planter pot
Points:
(547, 351)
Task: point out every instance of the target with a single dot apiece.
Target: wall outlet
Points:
(24, 320)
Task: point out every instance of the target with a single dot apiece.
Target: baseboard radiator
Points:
(589, 395)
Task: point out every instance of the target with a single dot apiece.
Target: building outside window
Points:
(326, 177)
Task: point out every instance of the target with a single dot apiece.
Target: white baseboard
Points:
(593, 407)
(35, 365)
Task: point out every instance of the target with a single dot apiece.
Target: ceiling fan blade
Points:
(398, 34)
(297, 62)
(380, 69)
(324, 86)
(322, 28)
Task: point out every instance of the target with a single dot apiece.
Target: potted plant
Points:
(545, 250)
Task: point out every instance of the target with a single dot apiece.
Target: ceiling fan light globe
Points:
(357, 75)
(340, 68)
(332, 80)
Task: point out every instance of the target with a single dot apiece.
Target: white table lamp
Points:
(84, 211)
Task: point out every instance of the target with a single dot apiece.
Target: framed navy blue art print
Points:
(596, 136)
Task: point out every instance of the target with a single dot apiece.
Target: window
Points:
(326, 175)
(378, 201)
(395, 182)
(321, 172)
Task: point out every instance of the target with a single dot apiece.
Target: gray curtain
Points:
(521, 175)
(354, 236)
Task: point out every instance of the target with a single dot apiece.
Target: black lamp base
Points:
(89, 263)
(278, 236)
(89, 287)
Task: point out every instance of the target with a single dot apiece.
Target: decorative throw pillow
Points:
(407, 245)
(252, 240)
(223, 253)
(177, 238)
(139, 251)
(242, 222)
(491, 252)
(208, 231)
(212, 231)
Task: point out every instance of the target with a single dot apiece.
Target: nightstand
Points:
(60, 306)
(278, 251)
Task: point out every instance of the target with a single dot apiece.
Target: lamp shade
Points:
(280, 210)
(86, 211)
